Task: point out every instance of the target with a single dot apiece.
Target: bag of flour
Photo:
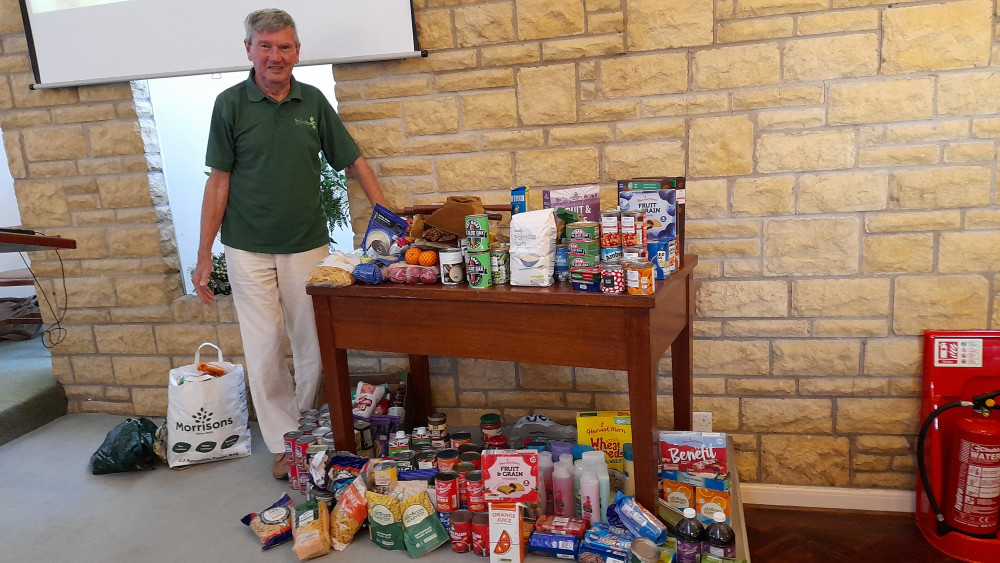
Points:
(533, 247)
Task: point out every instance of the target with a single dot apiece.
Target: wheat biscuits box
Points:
(607, 431)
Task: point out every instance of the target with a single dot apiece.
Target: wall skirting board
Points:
(881, 500)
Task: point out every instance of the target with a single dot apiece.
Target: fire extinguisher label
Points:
(976, 500)
(959, 352)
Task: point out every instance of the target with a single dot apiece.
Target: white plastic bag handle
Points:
(197, 354)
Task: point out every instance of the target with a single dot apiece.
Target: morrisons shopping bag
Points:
(206, 412)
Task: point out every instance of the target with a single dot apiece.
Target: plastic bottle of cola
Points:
(690, 534)
(720, 539)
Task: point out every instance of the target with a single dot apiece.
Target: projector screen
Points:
(75, 42)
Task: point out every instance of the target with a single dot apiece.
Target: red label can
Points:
(463, 469)
(481, 534)
(460, 524)
(447, 459)
(301, 445)
(471, 457)
(474, 491)
(290, 438)
(293, 476)
(446, 491)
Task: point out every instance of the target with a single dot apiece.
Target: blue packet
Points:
(548, 544)
(519, 200)
(638, 520)
(384, 227)
(272, 525)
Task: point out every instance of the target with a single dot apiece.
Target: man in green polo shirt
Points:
(263, 148)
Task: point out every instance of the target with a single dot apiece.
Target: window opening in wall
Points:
(182, 108)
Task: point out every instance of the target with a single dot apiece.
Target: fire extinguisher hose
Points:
(942, 526)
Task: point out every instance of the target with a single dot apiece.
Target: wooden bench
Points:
(16, 278)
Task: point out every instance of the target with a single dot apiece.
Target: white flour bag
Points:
(533, 248)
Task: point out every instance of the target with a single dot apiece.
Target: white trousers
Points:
(269, 292)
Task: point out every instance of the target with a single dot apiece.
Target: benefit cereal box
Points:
(510, 475)
(702, 453)
(607, 431)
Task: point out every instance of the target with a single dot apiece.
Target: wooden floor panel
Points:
(784, 535)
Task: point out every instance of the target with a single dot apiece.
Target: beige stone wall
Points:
(842, 199)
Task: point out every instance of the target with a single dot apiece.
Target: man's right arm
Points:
(213, 207)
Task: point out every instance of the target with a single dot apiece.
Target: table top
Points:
(23, 242)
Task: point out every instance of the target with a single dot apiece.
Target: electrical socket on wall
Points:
(701, 422)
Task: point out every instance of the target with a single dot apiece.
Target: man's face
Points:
(273, 55)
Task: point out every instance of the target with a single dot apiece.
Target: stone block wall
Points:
(841, 157)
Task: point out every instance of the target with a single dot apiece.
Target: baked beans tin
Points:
(474, 491)
(584, 247)
(577, 260)
(611, 235)
(639, 278)
(612, 277)
(384, 476)
(452, 266)
(447, 459)
(477, 269)
(446, 490)
(470, 457)
(426, 460)
(611, 253)
(500, 264)
(406, 460)
(634, 254)
(463, 469)
(583, 230)
(477, 230)
(633, 228)
(459, 438)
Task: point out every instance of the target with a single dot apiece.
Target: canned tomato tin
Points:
(437, 424)
(611, 234)
(583, 230)
(384, 476)
(426, 460)
(481, 534)
(490, 424)
(633, 228)
(463, 469)
(477, 269)
(639, 278)
(446, 459)
(500, 264)
(406, 460)
(477, 230)
(474, 491)
(643, 550)
(612, 277)
(634, 254)
(459, 438)
(460, 524)
(452, 266)
(446, 489)
(470, 457)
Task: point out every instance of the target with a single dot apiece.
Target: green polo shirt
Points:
(272, 151)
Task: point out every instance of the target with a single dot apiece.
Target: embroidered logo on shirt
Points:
(311, 122)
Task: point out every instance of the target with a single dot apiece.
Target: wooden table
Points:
(24, 242)
(553, 325)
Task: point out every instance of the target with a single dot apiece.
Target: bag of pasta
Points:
(349, 514)
(312, 530)
(385, 521)
(272, 525)
(423, 531)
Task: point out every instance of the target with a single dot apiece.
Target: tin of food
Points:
(452, 267)
(477, 269)
(500, 264)
(459, 438)
(384, 476)
(643, 550)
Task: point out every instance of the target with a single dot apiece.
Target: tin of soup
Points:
(477, 269)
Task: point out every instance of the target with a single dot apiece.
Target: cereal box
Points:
(585, 201)
(660, 208)
(506, 542)
(510, 475)
(678, 495)
(701, 453)
(708, 502)
(607, 431)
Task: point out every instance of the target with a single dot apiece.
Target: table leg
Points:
(336, 378)
(682, 365)
(420, 387)
(642, 404)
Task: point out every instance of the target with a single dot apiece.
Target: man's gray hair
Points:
(268, 20)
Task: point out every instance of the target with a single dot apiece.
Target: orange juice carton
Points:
(510, 475)
(506, 541)
(708, 502)
(699, 453)
(678, 495)
(607, 431)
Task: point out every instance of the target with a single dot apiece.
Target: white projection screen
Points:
(76, 42)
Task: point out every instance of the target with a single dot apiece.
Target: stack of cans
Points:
(313, 436)
(477, 251)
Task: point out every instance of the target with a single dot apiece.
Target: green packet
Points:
(709, 558)
(423, 531)
(385, 523)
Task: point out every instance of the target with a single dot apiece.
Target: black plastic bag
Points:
(128, 447)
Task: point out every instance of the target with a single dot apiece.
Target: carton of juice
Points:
(607, 431)
(506, 543)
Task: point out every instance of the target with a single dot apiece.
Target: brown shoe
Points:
(280, 469)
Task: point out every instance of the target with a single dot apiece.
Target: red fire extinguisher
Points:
(972, 491)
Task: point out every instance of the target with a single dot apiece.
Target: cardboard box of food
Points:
(506, 542)
(510, 475)
(607, 431)
(660, 208)
(585, 201)
(701, 453)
